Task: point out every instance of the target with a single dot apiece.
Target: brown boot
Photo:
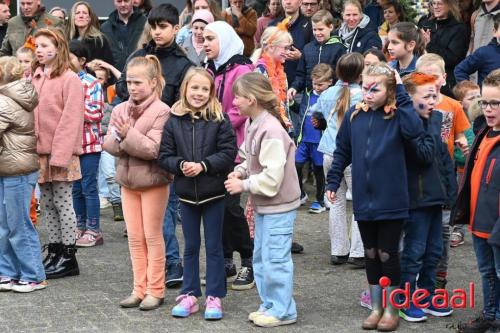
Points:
(150, 303)
(371, 322)
(131, 302)
(390, 319)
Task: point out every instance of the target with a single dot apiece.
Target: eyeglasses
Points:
(493, 104)
(309, 4)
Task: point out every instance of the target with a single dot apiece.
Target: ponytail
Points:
(408, 32)
(152, 70)
(348, 70)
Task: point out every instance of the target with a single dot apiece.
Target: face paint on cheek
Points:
(421, 106)
(50, 55)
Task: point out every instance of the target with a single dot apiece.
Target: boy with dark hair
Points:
(478, 202)
(164, 22)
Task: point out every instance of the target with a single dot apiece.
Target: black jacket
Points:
(364, 39)
(174, 65)
(432, 182)
(122, 45)
(3, 31)
(213, 144)
(449, 39)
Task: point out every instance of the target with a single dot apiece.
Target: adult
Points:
(244, 21)
(393, 13)
(211, 5)
(186, 14)
(22, 27)
(272, 11)
(4, 18)
(123, 29)
(145, 6)
(445, 35)
(356, 32)
(482, 24)
(83, 24)
(309, 7)
(194, 45)
(58, 12)
(375, 11)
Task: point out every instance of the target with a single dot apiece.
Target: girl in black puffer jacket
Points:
(199, 146)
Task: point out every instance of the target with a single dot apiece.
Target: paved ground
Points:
(327, 296)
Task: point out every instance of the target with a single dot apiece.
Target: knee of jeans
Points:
(371, 253)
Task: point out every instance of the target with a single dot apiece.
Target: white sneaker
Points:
(303, 200)
(6, 284)
(27, 287)
(104, 203)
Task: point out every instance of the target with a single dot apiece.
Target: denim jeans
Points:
(423, 247)
(169, 223)
(272, 263)
(85, 194)
(488, 263)
(21, 257)
(212, 214)
(107, 168)
(101, 182)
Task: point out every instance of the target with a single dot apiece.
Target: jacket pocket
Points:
(280, 243)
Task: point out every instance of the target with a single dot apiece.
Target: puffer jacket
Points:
(137, 166)
(213, 144)
(18, 154)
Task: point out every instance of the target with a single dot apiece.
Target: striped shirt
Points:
(93, 108)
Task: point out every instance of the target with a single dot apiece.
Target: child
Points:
(198, 146)
(309, 137)
(453, 128)
(85, 195)
(430, 184)
(484, 60)
(21, 267)
(25, 55)
(59, 127)
(478, 202)
(134, 135)
(373, 57)
(324, 49)
(371, 132)
(164, 22)
(332, 105)
(225, 60)
(268, 174)
(405, 46)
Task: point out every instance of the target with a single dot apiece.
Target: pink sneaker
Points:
(213, 310)
(79, 234)
(186, 305)
(365, 299)
(90, 238)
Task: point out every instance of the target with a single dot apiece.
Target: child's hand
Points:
(331, 196)
(426, 35)
(235, 174)
(463, 145)
(398, 77)
(293, 54)
(122, 126)
(234, 185)
(191, 169)
(291, 94)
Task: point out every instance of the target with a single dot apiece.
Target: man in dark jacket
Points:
(32, 18)
(123, 30)
(4, 17)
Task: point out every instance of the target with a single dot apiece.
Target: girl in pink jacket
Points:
(134, 136)
(58, 126)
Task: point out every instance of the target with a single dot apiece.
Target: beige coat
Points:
(18, 154)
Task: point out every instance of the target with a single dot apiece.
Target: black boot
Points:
(54, 251)
(66, 265)
(117, 211)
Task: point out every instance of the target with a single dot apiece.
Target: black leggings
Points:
(320, 181)
(381, 244)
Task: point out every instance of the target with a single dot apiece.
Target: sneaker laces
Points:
(243, 274)
(213, 303)
(5, 280)
(186, 301)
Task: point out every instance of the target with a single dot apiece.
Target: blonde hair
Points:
(25, 50)
(10, 70)
(322, 16)
(92, 31)
(258, 87)
(152, 70)
(145, 36)
(430, 59)
(354, 3)
(213, 109)
(493, 79)
(272, 36)
(387, 73)
(62, 61)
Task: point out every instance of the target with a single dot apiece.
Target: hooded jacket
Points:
(210, 143)
(483, 61)
(482, 30)
(449, 39)
(17, 129)
(121, 47)
(174, 65)
(364, 37)
(245, 27)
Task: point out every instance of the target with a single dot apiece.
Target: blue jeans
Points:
(107, 168)
(85, 194)
(488, 263)
(423, 247)
(169, 223)
(272, 263)
(21, 257)
(213, 216)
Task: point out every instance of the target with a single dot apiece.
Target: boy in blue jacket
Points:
(484, 60)
(325, 49)
(431, 184)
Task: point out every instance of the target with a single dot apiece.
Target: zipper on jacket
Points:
(420, 186)
(319, 57)
(367, 154)
(490, 171)
(194, 178)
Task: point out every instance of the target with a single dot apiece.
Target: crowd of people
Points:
(169, 117)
